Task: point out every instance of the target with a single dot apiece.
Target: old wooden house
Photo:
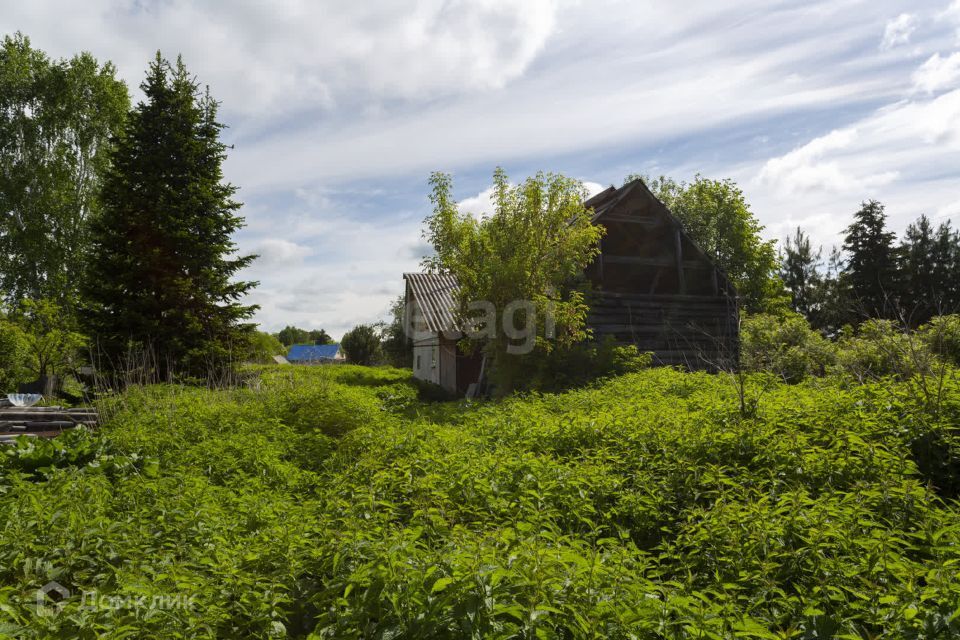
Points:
(651, 286)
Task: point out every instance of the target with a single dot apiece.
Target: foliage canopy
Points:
(56, 119)
(717, 217)
(328, 500)
(162, 266)
(532, 247)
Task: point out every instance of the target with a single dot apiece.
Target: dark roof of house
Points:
(312, 352)
(435, 293)
(609, 198)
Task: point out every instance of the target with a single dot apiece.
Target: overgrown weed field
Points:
(331, 503)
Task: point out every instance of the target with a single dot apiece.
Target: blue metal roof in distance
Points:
(312, 352)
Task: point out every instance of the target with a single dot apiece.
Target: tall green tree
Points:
(397, 346)
(263, 346)
(291, 335)
(717, 217)
(871, 273)
(832, 309)
(929, 271)
(522, 261)
(319, 336)
(361, 345)
(51, 339)
(56, 119)
(163, 264)
(800, 272)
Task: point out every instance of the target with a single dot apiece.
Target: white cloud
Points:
(949, 210)
(904, 154)
(898, 31)
(481, 205)
(952, 14)
(263, 59)
(904, 137)
(277, 251)
(323, 97)
(809, 167)
(650, 74)
(593, 188)
(937, 73)
(353, 270)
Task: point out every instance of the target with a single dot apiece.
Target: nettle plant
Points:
(329, 502)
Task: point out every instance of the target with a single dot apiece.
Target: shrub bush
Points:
(569, 367)
(13, 357)
(644, 506)
(785, 346)
(262, 347)
(882, 348)
(942, 337)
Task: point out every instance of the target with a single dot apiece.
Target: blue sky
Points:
(339, 111)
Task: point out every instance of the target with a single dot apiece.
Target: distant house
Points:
(651, 286)
(315, 354)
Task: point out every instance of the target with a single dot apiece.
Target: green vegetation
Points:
(13, 355)
(291, 335)
(361, 345)
(263, 346)
(56, 121)
(871, 273)
(811, 494)
(716, 215)
(785, 346)
(873, 276)
(38, 342)
(162, 269)
(397, 346)
(520, 264)
(330, 502)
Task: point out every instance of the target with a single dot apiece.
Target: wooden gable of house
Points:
(655, 288)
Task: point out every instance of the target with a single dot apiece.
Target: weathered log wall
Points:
(699, 332)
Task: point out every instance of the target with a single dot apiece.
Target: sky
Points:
(338, 112)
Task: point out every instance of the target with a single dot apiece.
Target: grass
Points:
(330, 502)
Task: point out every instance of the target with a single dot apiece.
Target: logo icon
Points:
(52, 591)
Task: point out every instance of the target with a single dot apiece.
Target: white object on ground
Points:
(24, 399)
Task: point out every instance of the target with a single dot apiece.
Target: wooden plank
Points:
(51, 415)
(656, 329)
(661, 297)
(642, 220)
(668, 262)
(658, 313)
(678, 257)
(30, 424)
(656, 280)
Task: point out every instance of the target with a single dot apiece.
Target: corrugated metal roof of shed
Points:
(435, 293)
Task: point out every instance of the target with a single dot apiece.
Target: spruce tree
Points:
(162, 263)
(871, 273)
(832, 309)
(929, 270)
(948, 266)
(799, 270)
